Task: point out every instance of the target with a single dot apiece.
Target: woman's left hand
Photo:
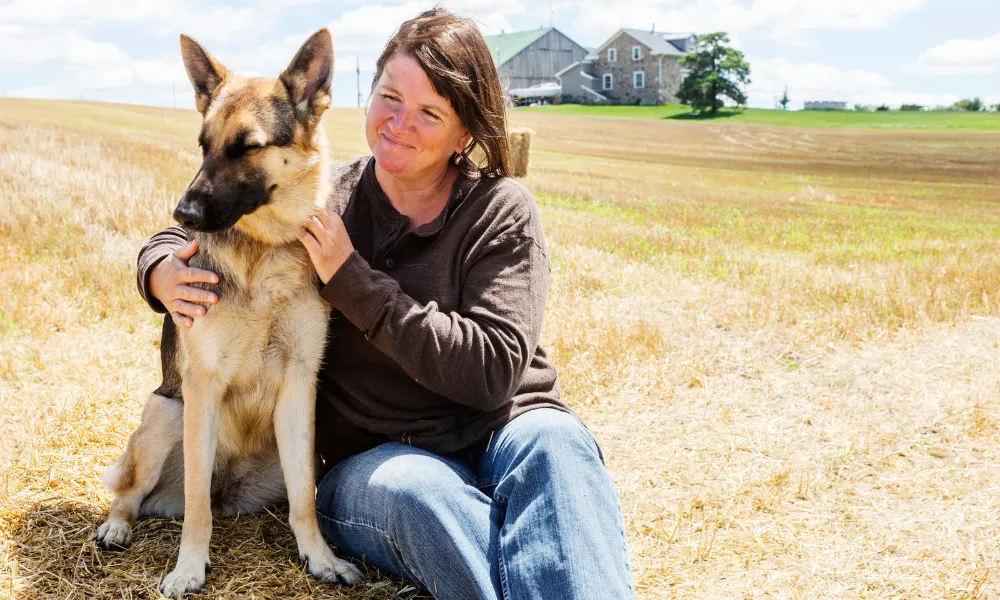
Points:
(327, 242)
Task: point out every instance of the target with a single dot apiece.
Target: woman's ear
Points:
(463, 142)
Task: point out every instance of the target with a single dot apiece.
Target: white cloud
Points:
(54, 35)
(962, 57)
(78, 64)
(24, 46)
(787, 21)
(815, 81)
(208, 22)
(83, 12)
(366, 29)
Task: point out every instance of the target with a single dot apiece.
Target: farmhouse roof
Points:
(655, 41)
(506, 46)
(575, 65)
(673, 35)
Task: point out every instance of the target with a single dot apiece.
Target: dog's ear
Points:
(309, 76)
(206, 74)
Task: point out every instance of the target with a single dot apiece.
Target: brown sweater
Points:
(433, 340)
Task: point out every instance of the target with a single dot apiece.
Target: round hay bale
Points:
(520, 149)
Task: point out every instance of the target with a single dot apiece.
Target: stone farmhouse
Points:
(632, 67)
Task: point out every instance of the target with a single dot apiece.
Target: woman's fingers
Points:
(198, 295)
(180, 320)
(327, 242)
(312, 246)
(189, 309)
(196, 275)
(324, 218)
(315, 227)
(186, 251)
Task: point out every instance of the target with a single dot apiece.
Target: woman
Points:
(451, 459)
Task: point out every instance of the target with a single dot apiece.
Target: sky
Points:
(929, 52)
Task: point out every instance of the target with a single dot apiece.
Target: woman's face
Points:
(410, 128)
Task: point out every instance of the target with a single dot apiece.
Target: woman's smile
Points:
(395, 143)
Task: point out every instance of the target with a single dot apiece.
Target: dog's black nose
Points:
(190, 214)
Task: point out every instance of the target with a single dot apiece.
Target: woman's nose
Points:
(402, 121)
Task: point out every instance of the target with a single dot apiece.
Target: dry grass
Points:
(787, 342)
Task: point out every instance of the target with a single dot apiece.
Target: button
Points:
(389, 263)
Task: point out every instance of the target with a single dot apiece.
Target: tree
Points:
(911, 108)
(715, 70)
(784, 100)
(975, 105)
(996, 107)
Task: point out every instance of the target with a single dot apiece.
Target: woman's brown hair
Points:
(458, 63)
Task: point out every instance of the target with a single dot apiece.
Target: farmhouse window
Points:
(638, 80)
(612, 54)
(609, 81)
(636, 53)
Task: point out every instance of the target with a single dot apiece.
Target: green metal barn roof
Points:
(505, 46)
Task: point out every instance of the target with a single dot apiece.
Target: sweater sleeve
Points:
(476, 355)
(156, 249)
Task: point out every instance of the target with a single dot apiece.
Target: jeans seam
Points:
(502, 567)
(367, 524)
(624, 538)
(392, 543)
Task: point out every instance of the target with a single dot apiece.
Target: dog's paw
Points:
(324, 565)
(184, 580)
(114, 534)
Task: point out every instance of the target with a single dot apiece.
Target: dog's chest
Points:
(263, 292)
(269, 318)
(254, 278)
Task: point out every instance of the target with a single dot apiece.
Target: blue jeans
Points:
(534, 515)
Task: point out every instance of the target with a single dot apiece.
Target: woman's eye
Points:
(389, 97)
(432, 115)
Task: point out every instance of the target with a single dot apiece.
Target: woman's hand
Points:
(327, 242)
(168, 284)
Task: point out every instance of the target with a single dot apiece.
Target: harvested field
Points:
(786, 340)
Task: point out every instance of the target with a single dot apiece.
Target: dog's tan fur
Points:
(242, 437)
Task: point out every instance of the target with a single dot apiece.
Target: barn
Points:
(530, 58)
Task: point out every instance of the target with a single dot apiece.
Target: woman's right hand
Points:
(168, 284)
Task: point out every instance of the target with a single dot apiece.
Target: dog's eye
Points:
(238, 149)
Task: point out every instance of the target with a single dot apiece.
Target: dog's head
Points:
(263, 149)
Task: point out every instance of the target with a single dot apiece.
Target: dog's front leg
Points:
(202, 413)
(294, 423)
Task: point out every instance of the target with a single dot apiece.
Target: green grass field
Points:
(779, 118)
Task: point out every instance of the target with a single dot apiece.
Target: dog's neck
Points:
(270, 227)
(291, 204)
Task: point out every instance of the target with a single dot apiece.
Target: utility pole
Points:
(358, 71)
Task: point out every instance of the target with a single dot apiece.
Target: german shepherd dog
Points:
(231, 428)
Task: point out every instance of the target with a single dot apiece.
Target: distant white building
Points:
(826, 105)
